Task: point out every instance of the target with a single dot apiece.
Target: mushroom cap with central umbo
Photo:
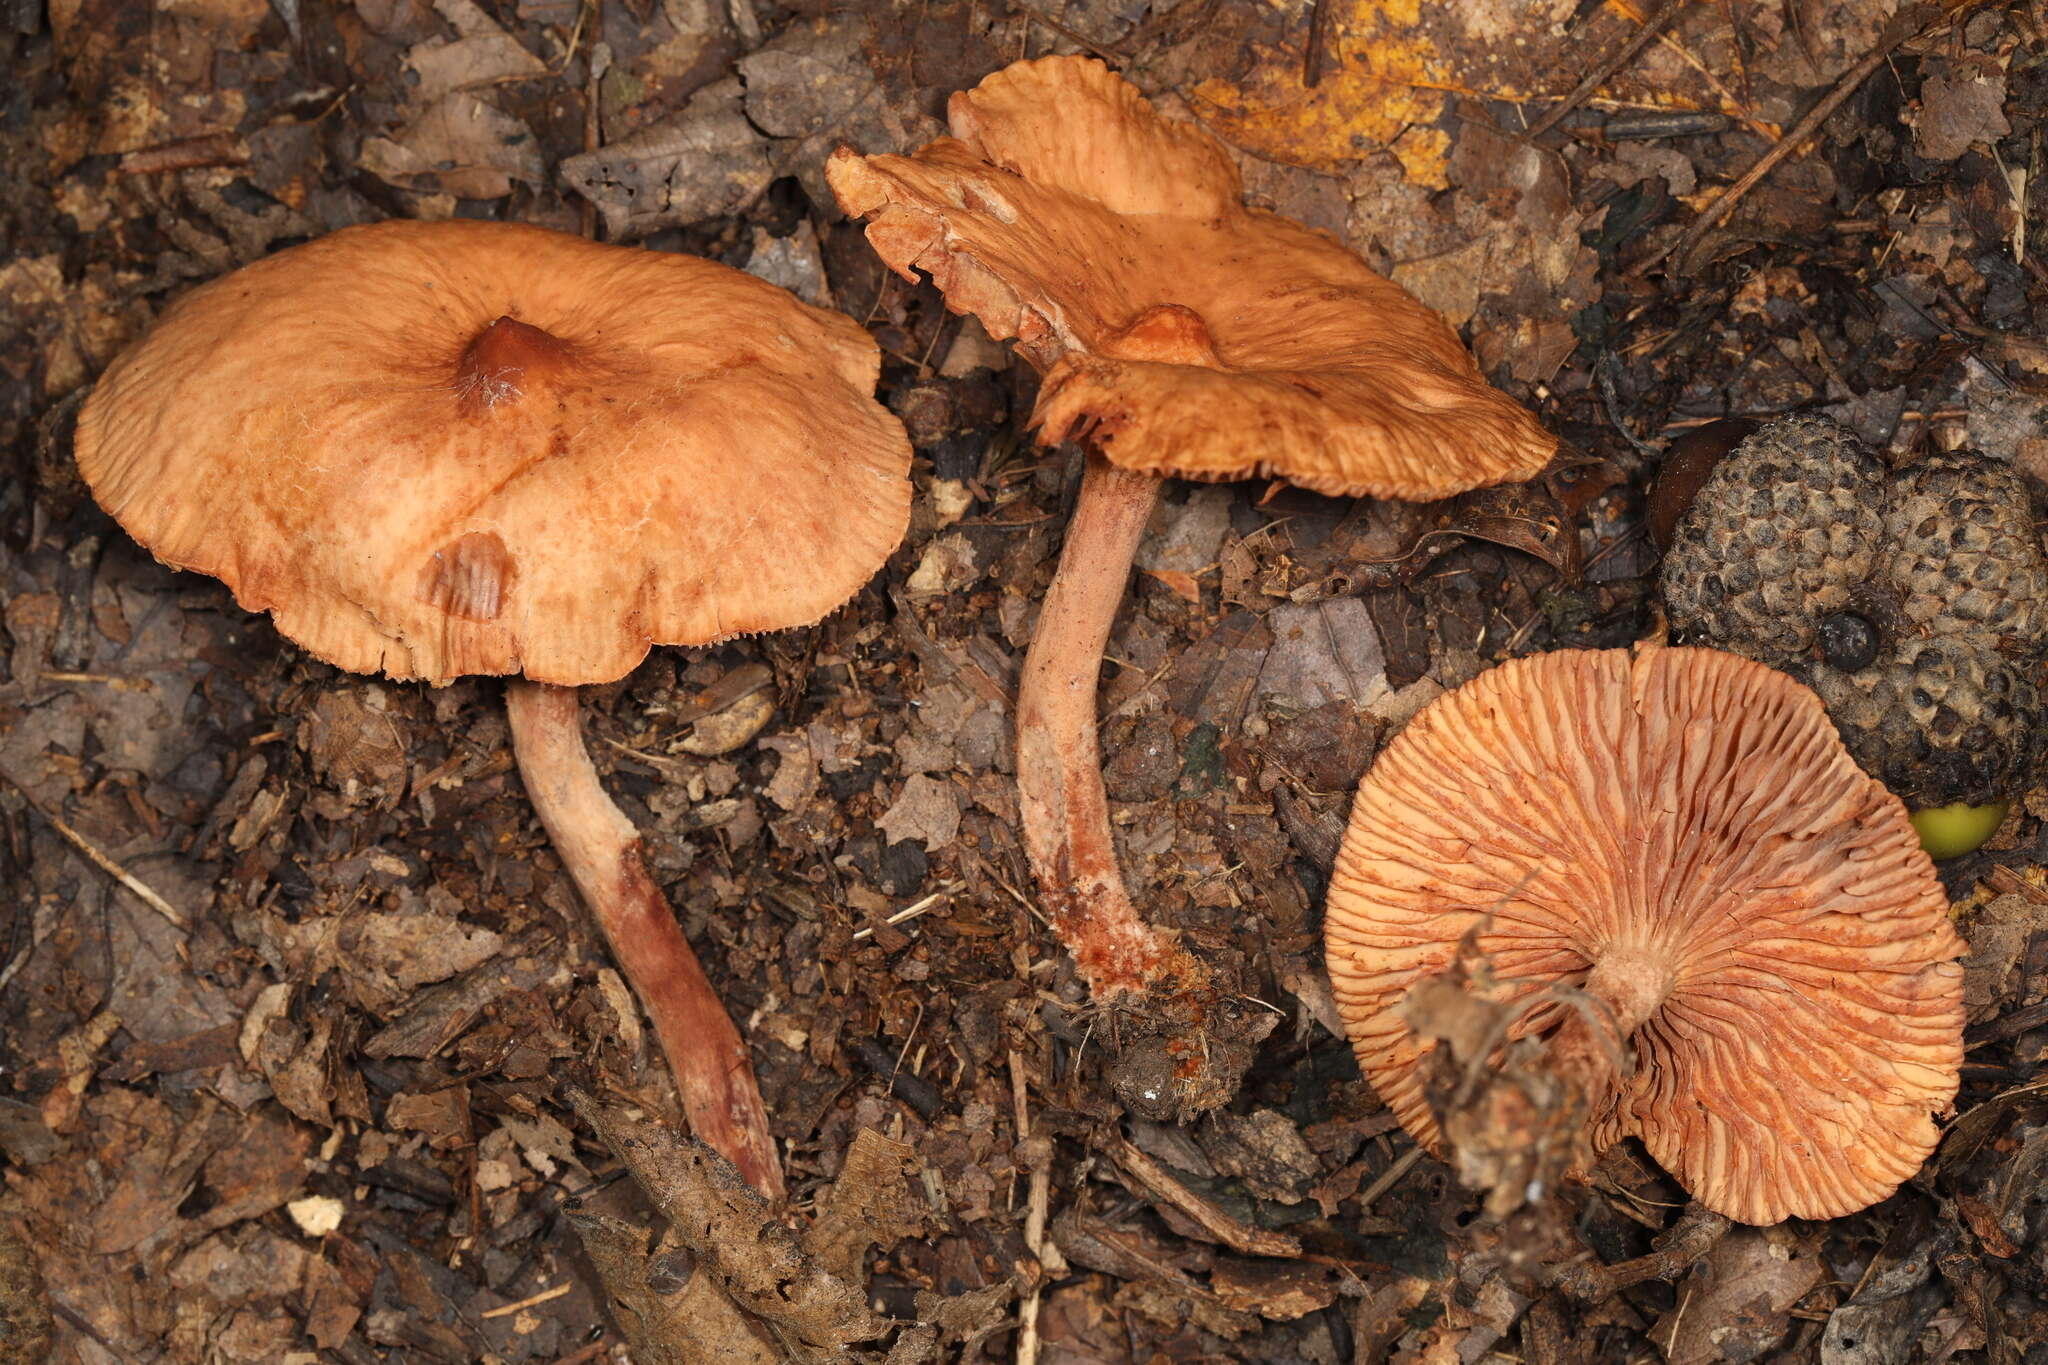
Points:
(1182, 332)
(435, 449)
(1694, 811)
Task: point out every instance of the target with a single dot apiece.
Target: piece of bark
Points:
(735, 1238)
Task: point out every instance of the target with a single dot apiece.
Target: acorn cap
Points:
(1692, 811)
(1687, 462)
(1914, 601)
(434, 449)
(1179, 331)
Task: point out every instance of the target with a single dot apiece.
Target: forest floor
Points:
(306, 1101)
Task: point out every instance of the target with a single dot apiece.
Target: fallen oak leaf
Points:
(1982, 1220)
(725, 1236)
(667, 1320)
(700, 162)
(1737, 1302)
(735, 1237)
(869, 1204)
(1522, 517)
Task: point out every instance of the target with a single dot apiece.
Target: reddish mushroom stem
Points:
(1059, 761)
(713, 1070)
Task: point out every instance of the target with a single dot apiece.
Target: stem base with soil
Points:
(1059, 759)
(713, 1070)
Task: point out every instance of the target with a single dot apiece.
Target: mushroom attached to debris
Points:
(1914, 601)
(440, 449)
(1666, 853)
(1179, 333)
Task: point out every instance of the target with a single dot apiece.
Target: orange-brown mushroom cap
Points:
(435, 449)
(1182, 332)
(1694, 810)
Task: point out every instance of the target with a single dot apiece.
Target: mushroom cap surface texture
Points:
(434, 449)
(1182, 332)
(1695, 810)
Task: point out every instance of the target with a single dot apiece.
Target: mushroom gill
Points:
(1679, 835)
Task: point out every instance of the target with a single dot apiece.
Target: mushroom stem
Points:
(1059, 760)
(714, 1072)
(1630, 984)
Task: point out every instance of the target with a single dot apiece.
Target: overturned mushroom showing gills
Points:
(1676, 840)
(1180, 333)
(440, 449)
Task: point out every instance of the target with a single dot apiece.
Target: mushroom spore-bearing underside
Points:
(1067, 213)
(1694, 809)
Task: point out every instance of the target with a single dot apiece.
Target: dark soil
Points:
(321, 1109)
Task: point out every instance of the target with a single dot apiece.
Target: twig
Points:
(99, 859)
(506, 1310)
(1690, 1238)
(1610, 398)
(913, 1089)
(1907, 24)
(1094, 48)
(1238, 1236)
(7, 973)
(2009, 1025)
(1653, 24)
(1034, 1220)
(2006, 882)
(79, 1324)
(1387, 1179)
(593, 98)
(184, 154)
(908, 912)
(1315, 51)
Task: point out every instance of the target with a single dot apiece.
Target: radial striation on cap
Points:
(432, 449)
(1692, 811)
(1181, 332)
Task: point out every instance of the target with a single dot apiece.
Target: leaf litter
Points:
(316, 1109)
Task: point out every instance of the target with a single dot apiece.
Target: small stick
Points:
(913, 1089)
(1316, 51)
(1094, 49)
(2008, 1026)
(1238, 1236)
(99, 859)
(1388, 1178)
(185, 154)
(20, 959)
(506, 1310)
(909, 912)
(1034, 1219)
(1907, 24)
(1690, 1238)
(1653, 24)
(2006, 882)
(593, 101)
(1610, 397)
